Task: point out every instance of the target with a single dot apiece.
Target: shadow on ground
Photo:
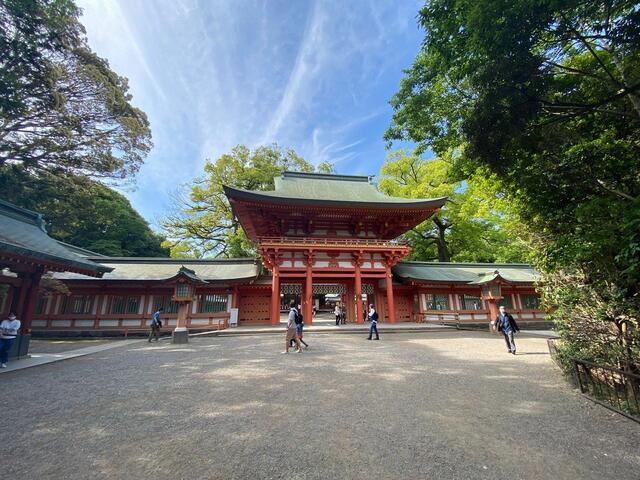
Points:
(431, 405)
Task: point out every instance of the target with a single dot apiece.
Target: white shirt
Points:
(9, 328)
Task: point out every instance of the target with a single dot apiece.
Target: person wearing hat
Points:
(8, 332)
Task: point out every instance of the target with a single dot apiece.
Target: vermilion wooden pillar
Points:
(308, 296)
(390, 304)
(275, 296)
(30, 301)
(358, 294)
(493, 313)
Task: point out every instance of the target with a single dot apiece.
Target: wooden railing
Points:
(332, 242)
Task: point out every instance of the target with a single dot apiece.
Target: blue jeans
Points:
(509, 340)
(5, 347)
(373, 328)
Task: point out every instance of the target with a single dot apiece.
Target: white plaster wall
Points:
(61, 323)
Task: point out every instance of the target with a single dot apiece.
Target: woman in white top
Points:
(8, 332)
(338, 312)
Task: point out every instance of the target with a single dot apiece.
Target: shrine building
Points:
(321, 239)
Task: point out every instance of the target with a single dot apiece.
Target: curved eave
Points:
(460, 282)
(246, 195)
(55, 263)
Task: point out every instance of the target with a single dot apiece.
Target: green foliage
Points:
(62, 109)
(547, 96)
(475, 225)
(83, 212)
(204, 225)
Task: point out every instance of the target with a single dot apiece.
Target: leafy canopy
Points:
(62, 109)
(475, 225)
(203, 224)
(546, 94)
(84, 213)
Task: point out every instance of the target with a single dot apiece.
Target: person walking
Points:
(508, 326)
(156, 323)
(338, 313)
(373, 316)
(343, 314)
(8, 331)
(300, 327)
(291, 328)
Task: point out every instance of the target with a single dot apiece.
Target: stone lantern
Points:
(184, 290)
(491, 292)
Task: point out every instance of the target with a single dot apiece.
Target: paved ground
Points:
(445, 405)
(38, 345)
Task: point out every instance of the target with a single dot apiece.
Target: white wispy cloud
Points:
(314, 76)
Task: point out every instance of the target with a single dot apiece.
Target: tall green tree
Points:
(84, 213)
(62, 109)
(203, 224)
(546, 94)
(476, 224)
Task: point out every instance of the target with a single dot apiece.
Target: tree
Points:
(203, 225)
(84, 213)
(62, 109)
(546, 95)
(474, 226)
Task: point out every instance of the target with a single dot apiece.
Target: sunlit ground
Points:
(426, 405)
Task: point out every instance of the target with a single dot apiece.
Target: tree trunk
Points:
(443, 249)
(633, 96)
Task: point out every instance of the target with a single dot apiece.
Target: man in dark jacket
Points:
(508, 326)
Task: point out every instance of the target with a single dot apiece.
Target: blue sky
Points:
(315, 76)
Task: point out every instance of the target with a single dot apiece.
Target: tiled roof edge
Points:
(465, 264)
(177, 261)
(22, 214)
(328, 176)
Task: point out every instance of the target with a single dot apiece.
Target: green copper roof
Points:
(187, 273)
(22, 233)
(323, 188)
(472, 273)
(163, 269)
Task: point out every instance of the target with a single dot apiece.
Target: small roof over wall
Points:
(469, 273)
(23, 237)
(162, 269)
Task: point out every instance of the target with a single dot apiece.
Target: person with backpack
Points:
(156, 323)
(300, 326)
(291, 329)
(373, 316)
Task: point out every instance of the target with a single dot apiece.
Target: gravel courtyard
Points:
(436, 405)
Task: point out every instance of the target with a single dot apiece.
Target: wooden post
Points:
(358, 294)
(390, 304)
(275, 296)
(493, 313)
(235, 296)
(31, 283)
(308, 296)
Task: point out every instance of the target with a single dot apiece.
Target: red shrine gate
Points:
(336, 229)
(349, 262)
